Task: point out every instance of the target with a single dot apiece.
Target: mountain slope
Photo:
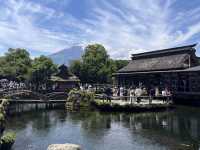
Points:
(65, 56)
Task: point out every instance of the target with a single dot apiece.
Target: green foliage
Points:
(3, 106)
(74, 95)
(81, 96)
(75, 67)
(15, 64)
(42, 69)
(87, 96)
(5, 102)
(7, 140)
(121, 63)
(2, 118)
(96, 65)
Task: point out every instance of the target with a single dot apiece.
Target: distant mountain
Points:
(65, 56)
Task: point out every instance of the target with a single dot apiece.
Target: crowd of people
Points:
(139, 91)
(130, 94)
(6, 84)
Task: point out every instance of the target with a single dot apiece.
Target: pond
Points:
(93, 130)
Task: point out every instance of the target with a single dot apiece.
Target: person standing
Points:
(115, 92)
(108, 93)
(151, 95)
(81, 88)
(132, 94)
(164, 95)
(89, 88)
(138, 93)
(121, 93)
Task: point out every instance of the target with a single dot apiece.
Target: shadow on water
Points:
(38, 127)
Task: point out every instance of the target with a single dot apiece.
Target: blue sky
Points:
(122, 26)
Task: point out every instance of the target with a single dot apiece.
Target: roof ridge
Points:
(174, 49)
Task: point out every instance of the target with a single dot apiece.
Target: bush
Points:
(7, 140)
(2, 117)
(80, 96)
(87, 96)
(3, 107)
(5, 102)
(2, 122)
(74, 96)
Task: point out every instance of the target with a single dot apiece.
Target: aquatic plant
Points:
(7, 140)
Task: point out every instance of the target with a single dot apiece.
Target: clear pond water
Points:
(37, 128)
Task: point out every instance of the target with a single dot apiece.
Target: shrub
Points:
(7, 140)
(81, 96)
(87, 96)
(2, 117)
(5, 102)
(74, 95)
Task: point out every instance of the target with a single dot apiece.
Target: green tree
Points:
(120, 63)
(96, 65)
(15, 64)
(75, 67)
(42, 69)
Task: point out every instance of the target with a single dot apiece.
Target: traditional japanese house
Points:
(64, 80)
(175, 68)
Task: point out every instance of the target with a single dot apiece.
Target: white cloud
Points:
(124, 27)
(21, 30)
(142, 26)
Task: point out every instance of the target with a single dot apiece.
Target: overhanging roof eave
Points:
(150, 72)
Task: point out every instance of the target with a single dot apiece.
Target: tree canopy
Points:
(95, 65)
(17, 65)
(42, 69)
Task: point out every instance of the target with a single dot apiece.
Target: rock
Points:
(64, 147)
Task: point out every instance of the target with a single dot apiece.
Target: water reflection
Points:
(105, 131)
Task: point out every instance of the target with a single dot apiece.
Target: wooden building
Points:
(176, 68)
(64, 80)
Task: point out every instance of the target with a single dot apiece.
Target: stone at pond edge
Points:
(64, 147)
